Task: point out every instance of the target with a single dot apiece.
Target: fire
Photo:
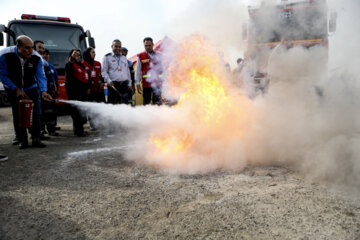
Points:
(175, 141)
(198, 72)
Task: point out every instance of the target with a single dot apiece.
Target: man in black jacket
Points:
(22, 73)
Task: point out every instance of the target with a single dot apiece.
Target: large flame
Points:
(207, 115)
(199, 76)
(175, 141)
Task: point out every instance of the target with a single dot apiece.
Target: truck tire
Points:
(4, 100)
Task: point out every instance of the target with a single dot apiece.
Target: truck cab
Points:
(304, 23)
(58, 34)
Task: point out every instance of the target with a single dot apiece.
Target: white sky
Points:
(132, 20)
(128, 20)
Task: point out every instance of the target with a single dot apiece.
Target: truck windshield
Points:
(59, 39)
(291, 24)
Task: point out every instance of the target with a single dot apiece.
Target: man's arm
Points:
(132, 73)
(128, 72)
(42, 82)
(138, 71)
(4, 74)
(138, 75)
(40, 76)
(105, 69)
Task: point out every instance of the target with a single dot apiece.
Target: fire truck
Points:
(305, 23)
(58, 34)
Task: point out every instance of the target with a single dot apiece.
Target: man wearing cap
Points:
(124, 52)
(22, 73)
(116, 73)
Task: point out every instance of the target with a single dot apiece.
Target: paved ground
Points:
(82, 188)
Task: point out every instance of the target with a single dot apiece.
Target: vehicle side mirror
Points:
(1, 39)
(244, 31)
(2, 29)
(332, 22)
(88, 34)
(91, 42)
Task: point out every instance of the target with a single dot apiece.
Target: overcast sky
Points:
(128, 20)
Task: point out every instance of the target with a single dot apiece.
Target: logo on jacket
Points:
(79, 69)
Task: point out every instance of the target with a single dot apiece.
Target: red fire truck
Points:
(304, 23)
(58, 34)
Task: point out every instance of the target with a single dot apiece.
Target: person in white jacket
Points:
(115, 71)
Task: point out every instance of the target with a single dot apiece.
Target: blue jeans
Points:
(34, 95)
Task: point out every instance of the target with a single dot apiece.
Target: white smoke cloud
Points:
(307, 120)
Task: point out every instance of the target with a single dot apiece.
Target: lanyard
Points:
(117, 59)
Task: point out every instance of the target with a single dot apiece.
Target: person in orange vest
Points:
(78, 87)
(149, 69)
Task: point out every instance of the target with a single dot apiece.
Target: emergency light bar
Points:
(39, 17)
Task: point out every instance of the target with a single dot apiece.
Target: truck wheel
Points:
(4, 100)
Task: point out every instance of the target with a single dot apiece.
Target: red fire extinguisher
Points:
(25, 113)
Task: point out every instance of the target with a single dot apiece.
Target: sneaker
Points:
(15, 141)
(37, 143)
(3, 158)
(23, 145)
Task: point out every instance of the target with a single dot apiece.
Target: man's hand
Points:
(131, 89)
(20, 93)
(46, 96)
(138, 88)
(88, 91)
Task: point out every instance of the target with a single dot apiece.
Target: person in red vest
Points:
(93, 69)
(149, 69)
(78, 87)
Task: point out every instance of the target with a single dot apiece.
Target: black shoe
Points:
(82, 134)
(57, 128)
(42, 132)
(54, 133)
(3, 158)
(23, 145)
(15, 141)
(43, 137)
(37, 143)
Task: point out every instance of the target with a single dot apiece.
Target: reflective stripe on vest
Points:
(149, 75)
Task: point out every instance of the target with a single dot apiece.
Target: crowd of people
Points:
(26, 73)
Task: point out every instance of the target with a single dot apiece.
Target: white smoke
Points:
(307, 120)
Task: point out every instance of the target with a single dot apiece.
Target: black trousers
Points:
(152, 94)
(49, 115)
(122, 95)
(34, 95)
(79, 120)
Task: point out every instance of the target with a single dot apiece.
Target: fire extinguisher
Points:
(25, 113)
(106, 92)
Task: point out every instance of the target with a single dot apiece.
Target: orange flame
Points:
(175, 141)
(198, 73)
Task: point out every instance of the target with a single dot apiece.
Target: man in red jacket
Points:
(149, 69)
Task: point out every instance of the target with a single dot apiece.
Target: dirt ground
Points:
(82, 188)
